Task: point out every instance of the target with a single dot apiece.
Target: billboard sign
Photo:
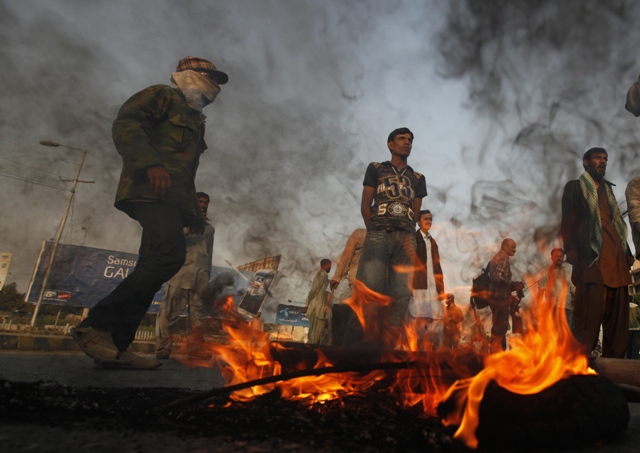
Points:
(82, 276)
(291, 315)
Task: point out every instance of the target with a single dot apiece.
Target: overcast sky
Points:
(503, 98)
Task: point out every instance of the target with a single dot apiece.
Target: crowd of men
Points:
(404, 264)
(394, 270)
(390, 258)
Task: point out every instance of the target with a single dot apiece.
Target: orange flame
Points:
(547, 353)
(364, 303)
(249, 356)
(243, 360)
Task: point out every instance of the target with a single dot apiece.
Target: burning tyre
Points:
(577, 411)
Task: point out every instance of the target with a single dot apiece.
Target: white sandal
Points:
(95, 343)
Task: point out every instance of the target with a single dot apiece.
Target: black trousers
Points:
(162, 254)
(500, 324)
(633, 351)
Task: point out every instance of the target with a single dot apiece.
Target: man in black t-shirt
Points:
(391, 197)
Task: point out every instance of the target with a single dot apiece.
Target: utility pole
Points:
(56, 240)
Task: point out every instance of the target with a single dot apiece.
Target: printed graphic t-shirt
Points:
(395, 191)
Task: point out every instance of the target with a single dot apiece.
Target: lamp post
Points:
(56, 240)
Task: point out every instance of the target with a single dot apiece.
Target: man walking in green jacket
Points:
(159, 133)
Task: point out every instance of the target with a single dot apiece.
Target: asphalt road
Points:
(77, 370)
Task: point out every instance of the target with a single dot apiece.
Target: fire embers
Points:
(578, 411)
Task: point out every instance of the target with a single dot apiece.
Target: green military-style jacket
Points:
(157, 127)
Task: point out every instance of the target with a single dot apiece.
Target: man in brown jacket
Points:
(595, 241)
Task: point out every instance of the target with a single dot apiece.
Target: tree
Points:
(11, 299)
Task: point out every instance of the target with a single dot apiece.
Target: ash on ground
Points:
(135, 419)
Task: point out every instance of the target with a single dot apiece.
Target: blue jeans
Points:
(386, 267)
(162, 254)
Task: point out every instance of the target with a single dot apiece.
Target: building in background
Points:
(5, 262)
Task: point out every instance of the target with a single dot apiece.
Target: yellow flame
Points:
(243, 360)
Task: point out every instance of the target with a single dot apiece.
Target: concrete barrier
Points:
(29, 341)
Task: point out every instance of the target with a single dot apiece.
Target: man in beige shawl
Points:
(317, 305)
(346, 269)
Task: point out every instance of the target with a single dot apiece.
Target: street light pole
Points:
(60, 228)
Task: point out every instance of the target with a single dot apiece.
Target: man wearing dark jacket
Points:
(595, 241)
(501, 290)
(425, 306)
(159, 132)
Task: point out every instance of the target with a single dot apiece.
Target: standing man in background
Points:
(595, 241)
(159, 132)
(426, 306)
(185, 289)
(501, 288)
(632, 194)
(317, 304)
(391, 197)
(347, 267)
(553, 281)
(451, 324)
